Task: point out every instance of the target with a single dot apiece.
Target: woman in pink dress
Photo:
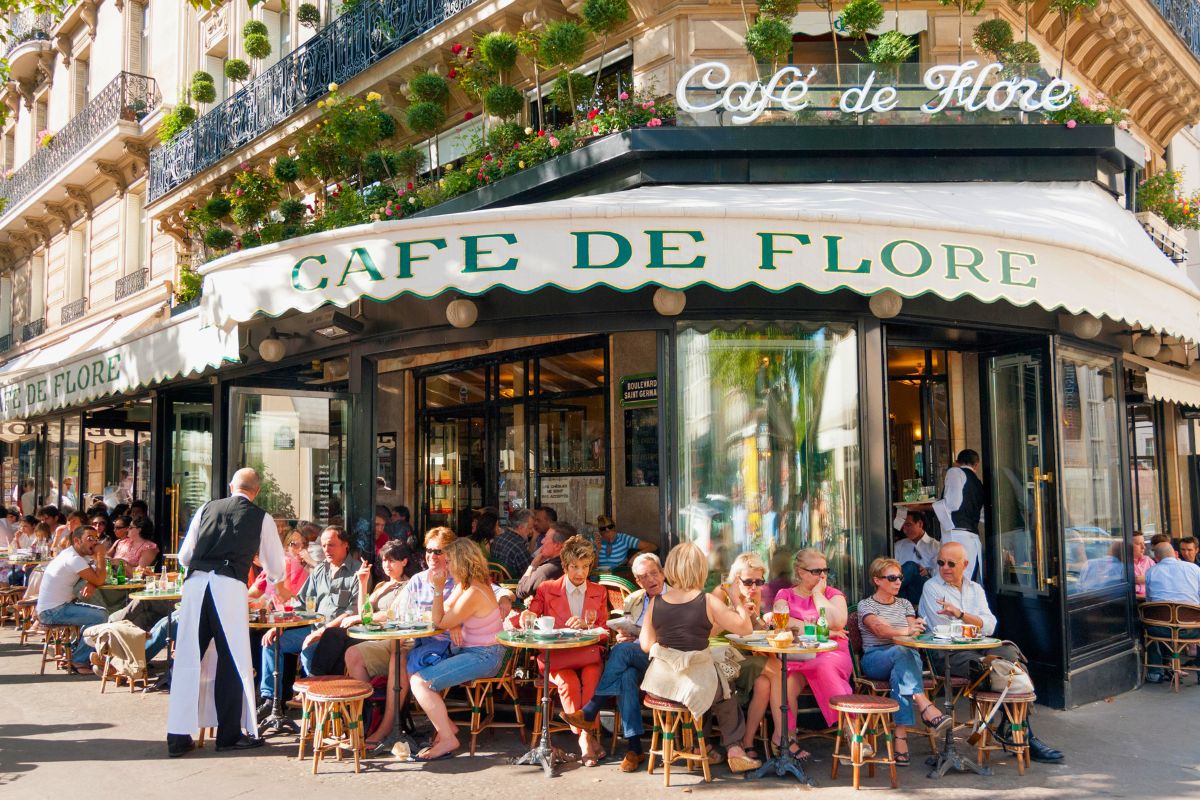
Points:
(826, 674)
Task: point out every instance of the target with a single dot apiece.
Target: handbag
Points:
(1009, 677)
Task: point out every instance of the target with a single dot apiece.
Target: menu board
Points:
(641, 446)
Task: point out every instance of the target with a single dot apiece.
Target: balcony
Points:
(6, 342)
(74, 310)
(131, 284)
(33, 329)
(26, 27)
(1184, 17)
(347, 46)
(128, 97)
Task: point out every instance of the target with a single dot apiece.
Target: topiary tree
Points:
(566, 87)
(308, 15)
(254, 26)
(993, 37)
(603, 18)
(499, 51)
(218, 238)
(860, 17)
(203, 90)
(285, 169)
(769, 41)
(833, 36)
(530, 45)
(1024, 6)
(217, 207)
(1018, 56)
(257, 45)
(428, 87)
(425, 118)
(237, 70)
(563, 44)
(503, 101)
(963, 7)
(1067, 11)
(892, 48)
(409, 161)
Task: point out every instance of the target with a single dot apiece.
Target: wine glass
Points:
(528, 621)
(589, 618)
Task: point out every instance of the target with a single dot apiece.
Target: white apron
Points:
(192, 703)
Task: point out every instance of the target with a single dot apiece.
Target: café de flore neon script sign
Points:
(708, 87)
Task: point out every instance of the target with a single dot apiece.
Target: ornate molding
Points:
(45, 69)
(60, 212)
(82, 197)
(39, 229)
(140, 153)
(174, 225)
(65, 46)
(112, 171)
(87, 12)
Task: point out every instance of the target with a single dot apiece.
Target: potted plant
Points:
(1166, 211)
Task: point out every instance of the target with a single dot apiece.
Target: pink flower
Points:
(654, 122)
(1123, 125)
(1085, 101)
(240, 193)
(623, 96)
(553, 141)
(1071, 123)
(388, 211)
(595, 129)
(469, 115)
(592, 114)
(516, 145)
(648, 105)
(456, 48)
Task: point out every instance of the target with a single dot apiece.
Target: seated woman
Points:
(573, 601)
(472, 616)
(133, 549)
(679, 622)
(881, 617)
(826, 674)
(759, 678)
(296, 572)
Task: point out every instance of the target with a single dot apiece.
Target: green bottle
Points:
(120, 573)
(822, 628)
(368, 613)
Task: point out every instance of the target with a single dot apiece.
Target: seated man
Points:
(916, 552)
(56, 603)
(1171, 580)
(950, 596)
(334, 586)
(626, 665)
(511, 547)
(546, 565)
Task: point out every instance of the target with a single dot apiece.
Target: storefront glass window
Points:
(1094, 534)
(298, 445)
(53, 461)
(69, 497)
(29, 471)
(769, 444)
(456, 388)
(1144, 473)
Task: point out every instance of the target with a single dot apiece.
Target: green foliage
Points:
(409, 161)
(891, 48)
(217, 207)
(1163, 194)
(1085, 109)
(179, 118)
(254, 27)
(1072, 8)
(860, 17)
(779, 9)
(971, 7)
(252, 196)
(203, 91)
(218, 238)
(291, 209)
(428, 87)
(378, 194)
(993, 37)
(285, 169)
(1019, 53)
(502, 137)
(237, 70)
(257, 45)
(603, 17)
(200, 76)
(387, 125)
(308, 15)
(425, 118)
(249, 239)
(380, 165)
(561, 92)
(563, 43)
(499, 51)
(769, 40)
(188, 287)
(503, 100)
(345, 207)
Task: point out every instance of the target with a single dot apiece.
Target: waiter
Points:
(213, 681)
(961, 508)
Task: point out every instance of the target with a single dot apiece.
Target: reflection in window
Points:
(1147, 502)
(1094, 535)
(769, 449)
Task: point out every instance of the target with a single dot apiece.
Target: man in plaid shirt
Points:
(511, 547)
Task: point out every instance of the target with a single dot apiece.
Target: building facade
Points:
(761, 336)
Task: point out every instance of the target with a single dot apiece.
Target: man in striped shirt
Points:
(614, 550)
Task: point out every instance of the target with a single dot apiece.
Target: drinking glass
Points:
(589, 617)
(310, 605)
(781, 614)
(528, 621)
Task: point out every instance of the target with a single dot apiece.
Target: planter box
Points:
(1172, 242)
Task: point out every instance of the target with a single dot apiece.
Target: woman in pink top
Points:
(826, 674)
(472, 616)
(296, 572)
(133, 549)
(1141, 563)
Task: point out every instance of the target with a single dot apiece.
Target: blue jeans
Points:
(901, 666)
(463, 666)
(158, 637)
(291, 641)
(75, 613)
(622, 679)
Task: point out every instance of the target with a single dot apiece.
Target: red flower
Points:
(456, 48)
(468, 115)
(453, 73)
(409, 186)
(592, 114)
(541, 133)
(487, 157)
(595, 129)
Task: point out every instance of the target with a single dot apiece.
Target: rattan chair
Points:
(1181, 621)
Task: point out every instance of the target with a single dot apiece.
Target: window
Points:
(1145, 477)
(77, 247)
(80, 85)
(136, 35)
(37, 287)
(10, 149)
(769, 445)
(136, 233)
(6, 287)
(40, 117)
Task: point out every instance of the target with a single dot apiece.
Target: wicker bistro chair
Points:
(499, 572)
(677, 732)
(58, 644)
(863, 719)
(618, 589)
(481, 699)
(337, 718)
(8, 604)
(879, 687)
(301, 687)
(1182, 623)
(1016, 708)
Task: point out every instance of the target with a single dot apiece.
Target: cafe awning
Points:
(124, 357)
(1066, 245)
(1169, 384)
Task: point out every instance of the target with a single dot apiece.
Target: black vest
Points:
(228, 537)
(966, 518)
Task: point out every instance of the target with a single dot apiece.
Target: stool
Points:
(26, 618)
(481, 694)
(300, 687)
(863, 718)
(1016, 709)
(337, 718)
(57, 647)
(670, 720)
(204, 734)
(107, 674)
(8, 604)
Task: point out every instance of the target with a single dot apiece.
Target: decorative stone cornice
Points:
(82, 197)
(60, 212)
(65, 46)
(112, 171)
(139, 152)
(39, 229)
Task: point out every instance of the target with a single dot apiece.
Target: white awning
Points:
(816, 23)
(1057, 245)
(1168, 384)
(123, 358)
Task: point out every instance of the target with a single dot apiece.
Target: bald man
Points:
(220, 545)
(950, 596)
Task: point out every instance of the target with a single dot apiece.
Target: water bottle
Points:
(822, 628)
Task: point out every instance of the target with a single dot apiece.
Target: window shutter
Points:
(75, 265)
(134, 234)
(135, 19)
(79, 83)
(6, 286)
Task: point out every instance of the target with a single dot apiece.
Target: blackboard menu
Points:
(641, 446)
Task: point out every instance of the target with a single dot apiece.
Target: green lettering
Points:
(58, 379)
(97, 373)
(887, 256)
(407, 258)
(659, 248)
(83, 377)
(296, 275)
(368, 266)
(953, 265)
(473, 252)
(583, 250)
(769, 250)
(1008, 269)
(114, 363)
(832, 259)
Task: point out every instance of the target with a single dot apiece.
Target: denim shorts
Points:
(463, 666)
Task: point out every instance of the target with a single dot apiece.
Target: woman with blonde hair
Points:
(675, 634)
(474, 654)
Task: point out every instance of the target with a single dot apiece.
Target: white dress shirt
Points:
(969, 598)
(922, 552)
(575, 597)
(1173, 581)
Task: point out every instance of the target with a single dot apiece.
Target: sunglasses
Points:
(609, 528)
(817, 571)
(753, 582)
(950, 564)
(892, 578)
(433, 552)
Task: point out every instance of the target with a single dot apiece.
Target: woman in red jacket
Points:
(575, 602)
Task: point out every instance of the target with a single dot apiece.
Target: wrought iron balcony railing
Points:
(131, 284)
(6, 342)
(343, 49)
(74, 310)
(26, 26)
(1184, 17)
(129, 97)
(32, 329)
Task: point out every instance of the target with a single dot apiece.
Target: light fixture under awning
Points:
(1065, 245)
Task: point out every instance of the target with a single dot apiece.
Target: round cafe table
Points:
(395, 633)
(949, 757)
(544, 753)
(164, 680)
(785, 763)
(278, 721)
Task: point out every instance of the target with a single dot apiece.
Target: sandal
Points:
(902, 759)
(798, 752)
(938, 724)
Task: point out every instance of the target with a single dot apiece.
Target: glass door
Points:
(455, 474)
(190, 466)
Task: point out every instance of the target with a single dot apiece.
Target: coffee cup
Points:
(970, 631)
(941, 631)
(545, 624)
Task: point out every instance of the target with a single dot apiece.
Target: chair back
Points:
(498, 572)
(856, 644)
(1187, 615)
(618, 589)
(1157, 613)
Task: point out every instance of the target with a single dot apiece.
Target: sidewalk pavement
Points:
(59, 737)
